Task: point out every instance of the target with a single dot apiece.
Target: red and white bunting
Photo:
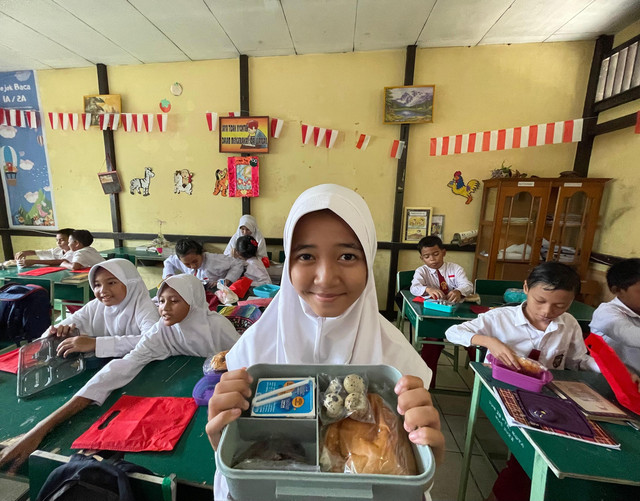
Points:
(54, 120)
(127, 121)
(2, 119)
(212, 120)
(363, 142)
(15, 118)
(569, 131)
(137, 121)
(276, 127)
(307, 133)
(331, 137)
(147, 120)
(104, 119)
(318, 135)
(637, 130)
(397, 148)
(86, 120)
(32, 119)
(234, 114)
(162, 121)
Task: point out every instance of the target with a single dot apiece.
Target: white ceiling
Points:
(42, 34)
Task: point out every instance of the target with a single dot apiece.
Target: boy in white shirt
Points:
(438, 280)
(51, 257)
(84, 256)
(618, 321)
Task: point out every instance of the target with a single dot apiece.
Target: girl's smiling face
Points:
(172, 308)
(328, 268)
(107, 288)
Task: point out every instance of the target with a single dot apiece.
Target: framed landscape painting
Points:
(411, 104)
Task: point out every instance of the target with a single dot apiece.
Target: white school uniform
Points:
(252, 225)
(289, 332)
(201, 334)
(118, 328)
(619, 326)
(50, 254)
(86, 257)
(213, 268)
(561, 344)
(255, 270)
(453, 274)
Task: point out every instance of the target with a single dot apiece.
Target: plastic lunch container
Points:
(502, 373)
(249, 485)
(266, 290)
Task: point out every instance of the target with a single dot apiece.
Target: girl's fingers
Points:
(431, 437)
(216, 425)
(408, 383)
(418, 417)
(418, 397)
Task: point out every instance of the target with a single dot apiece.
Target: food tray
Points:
(503, 373)
(439, 305)
(266, 290)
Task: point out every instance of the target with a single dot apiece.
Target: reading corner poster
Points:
(26, 179)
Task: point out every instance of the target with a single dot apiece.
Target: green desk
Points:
(192, 461)
(80, 292)
(133, 255)
(559, 468)
(431, 323)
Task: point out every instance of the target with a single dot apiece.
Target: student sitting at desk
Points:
(438, 280)
(326, 313)
(208, 267)
(84, 256)
(618, 321)
(51, 257)
(111, 324)
(247, 226)
(541, 329)
(246, 249)
(186, 327)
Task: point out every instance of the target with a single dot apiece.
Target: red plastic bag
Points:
(41, 271)
(9, 361)
(266, 262)
(241, 286)
(136, 424)
(615, 372)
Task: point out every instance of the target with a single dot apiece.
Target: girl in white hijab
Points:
(327, 313)
(113, 322)
(186, 327)
(247, 226)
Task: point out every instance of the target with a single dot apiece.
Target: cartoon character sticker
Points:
(458, 186)
(182, 181)
(222, 183)
(140, 185)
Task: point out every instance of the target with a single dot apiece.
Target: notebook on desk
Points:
(76, 278)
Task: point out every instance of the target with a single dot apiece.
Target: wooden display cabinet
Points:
(525, 221)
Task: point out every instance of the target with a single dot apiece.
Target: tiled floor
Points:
(454, 411)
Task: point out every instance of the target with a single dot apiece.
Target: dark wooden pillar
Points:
(244, 111)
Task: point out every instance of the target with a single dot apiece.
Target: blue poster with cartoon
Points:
(23, 159)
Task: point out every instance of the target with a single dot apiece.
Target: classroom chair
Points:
(403, 281)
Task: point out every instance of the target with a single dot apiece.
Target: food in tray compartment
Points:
(354, 384)
(356, 405)
(333, 404)
(530, 367)
(219, 361)
(273, 454)
(335, 386)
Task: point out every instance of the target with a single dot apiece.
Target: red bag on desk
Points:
(615, 372)
(136, 424)
(41, 271)
(241, 286)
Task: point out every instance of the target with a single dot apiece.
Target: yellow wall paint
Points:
(478, 88)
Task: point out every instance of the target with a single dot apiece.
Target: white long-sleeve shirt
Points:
(213, 268)
(55, 253)
(619, 326)
(561, 344)
(87, 257)
(255, 270)
(453, 274)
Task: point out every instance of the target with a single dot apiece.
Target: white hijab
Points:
(290, 333)
(127, 318)
(251, 224)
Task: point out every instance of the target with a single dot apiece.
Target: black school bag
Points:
(84, 478)
(25, 312)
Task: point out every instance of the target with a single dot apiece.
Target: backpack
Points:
(86, 478)
(25, 312)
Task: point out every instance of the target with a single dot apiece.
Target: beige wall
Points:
(478, 88)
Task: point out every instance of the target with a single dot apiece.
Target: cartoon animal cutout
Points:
(141, 184)
(458, 186)
(182, 181)
(222, 183)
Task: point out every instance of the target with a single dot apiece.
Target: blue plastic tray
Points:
(440, 305)
(267, 290)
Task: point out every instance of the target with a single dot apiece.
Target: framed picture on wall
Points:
(101, 104)
(410, 104)
(110, 182)
(416, 223)
(437, 225)
(244, 134)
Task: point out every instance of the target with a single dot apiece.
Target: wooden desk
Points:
(79, 292)
(560, 468)
(135, 256)
(192, 461)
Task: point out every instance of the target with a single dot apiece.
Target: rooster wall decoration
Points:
(458, 186)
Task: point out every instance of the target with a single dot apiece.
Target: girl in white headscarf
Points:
(247, 226)
(186, 327)
(113, 322)
(327, 313)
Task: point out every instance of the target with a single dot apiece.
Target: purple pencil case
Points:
(203, 389)
(503, 373)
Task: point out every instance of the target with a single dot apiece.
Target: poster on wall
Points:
(244, 135)
(26, 178)
(244, 178)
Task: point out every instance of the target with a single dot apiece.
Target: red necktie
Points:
(443, 284)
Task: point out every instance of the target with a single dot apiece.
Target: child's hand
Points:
(503, 353)
(421, 418)
(454, 296)
(81, 344)
(636, 379)
(61, 330)
(434, 293)
(227, 403)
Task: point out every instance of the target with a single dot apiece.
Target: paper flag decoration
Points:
(19, 118)
(147, 120)
(330, 137)
(162, 122)
(54, 120)
(397, 148)
(318, 135)
(109, 121)
(363, 142)
(276, 127)
(212, 120)
(32, 119)
(86, 120)
(569, 131)
(307, 133)
(235, 114)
